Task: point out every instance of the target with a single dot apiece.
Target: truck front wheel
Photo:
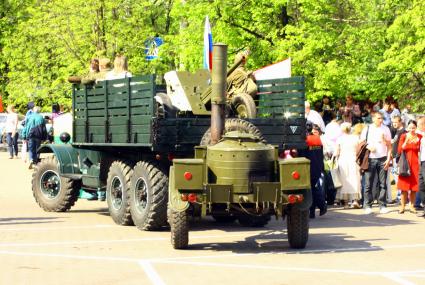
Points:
(117, 193)
(52, 192)
(297, 222)
(148, 196)
(179, 229)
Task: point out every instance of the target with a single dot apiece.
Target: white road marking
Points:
(151, 273)
(18, 229)
(35, 244)
(397, 278)
(69, 256)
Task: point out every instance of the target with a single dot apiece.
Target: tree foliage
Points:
(372, 49)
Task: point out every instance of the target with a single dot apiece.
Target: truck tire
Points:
(52, 192)
(297, 222)
(244, 106)
(148, 196)
(234, 125)
(254, 221)
(179, 229)
(118, 193)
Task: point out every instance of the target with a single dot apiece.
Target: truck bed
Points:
(123, 113)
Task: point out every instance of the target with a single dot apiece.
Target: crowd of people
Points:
(394, 153)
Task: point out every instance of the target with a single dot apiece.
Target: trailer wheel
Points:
(254, 221)
(179, 229)
(52, 192)
(297, 222)
(117, 193)
(148, 196)
(234, 125)
(244, 106)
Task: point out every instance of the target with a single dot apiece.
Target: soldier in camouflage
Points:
(241, 80)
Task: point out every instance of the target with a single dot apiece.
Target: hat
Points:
(30, 105)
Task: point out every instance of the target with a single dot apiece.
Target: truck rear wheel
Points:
(148, 196)
(254, 221)
(52, 192)
(179, 229)
(297, 222)
(244, 106)
(117, 193)
(234, 125)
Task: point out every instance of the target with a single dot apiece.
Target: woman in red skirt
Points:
(409, 143)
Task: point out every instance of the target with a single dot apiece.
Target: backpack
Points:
(362, 154)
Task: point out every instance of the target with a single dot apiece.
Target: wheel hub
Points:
(141, 195)
(116, 193)
(50, 184)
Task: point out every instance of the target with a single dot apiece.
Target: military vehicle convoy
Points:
(147, 154)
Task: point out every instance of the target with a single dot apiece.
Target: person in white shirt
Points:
(378, 138)
(314, 116)
(421, 127)
(11, 130)
(120, 69)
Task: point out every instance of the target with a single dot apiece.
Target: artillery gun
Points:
(191, 92)
(237, 176)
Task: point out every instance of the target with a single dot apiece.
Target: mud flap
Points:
(174, 198)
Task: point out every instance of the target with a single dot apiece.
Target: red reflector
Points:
(192, 197)
(170, 157)
(282, 155)
(292, 199)
(187, 175)
(295, 175)
(184, 197)
(300, 198)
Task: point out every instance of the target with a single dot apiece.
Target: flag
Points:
(1, 105)
(208, 42)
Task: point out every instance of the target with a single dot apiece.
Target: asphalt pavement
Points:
(84, 246)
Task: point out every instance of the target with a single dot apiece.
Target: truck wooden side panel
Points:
(124, 113)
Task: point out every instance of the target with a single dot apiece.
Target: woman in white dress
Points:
(348, 169)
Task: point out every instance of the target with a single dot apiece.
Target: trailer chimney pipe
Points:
(218, 96)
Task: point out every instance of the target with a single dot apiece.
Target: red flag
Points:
(1, 105)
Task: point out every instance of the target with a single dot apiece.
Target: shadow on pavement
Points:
(272, 242)
(28, 220)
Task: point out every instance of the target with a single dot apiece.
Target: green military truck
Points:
(126, 134)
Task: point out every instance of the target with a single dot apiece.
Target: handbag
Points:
(403, 165)
(334, 171)
(362, 154)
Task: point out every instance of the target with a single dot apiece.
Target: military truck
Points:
(125, 139)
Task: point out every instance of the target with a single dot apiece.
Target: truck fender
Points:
(67, 157)
(174, 198)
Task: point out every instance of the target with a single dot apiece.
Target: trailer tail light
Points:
(192, 197)
(187, 175)
(295, 175)
(292, 198)
(189, 197)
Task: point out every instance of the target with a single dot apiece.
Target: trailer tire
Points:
(52, 192)
(179, 229)
(148, 196)
(254, 221)
(234, 125)
(243, 106)
(297, 222)
(118, 194)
